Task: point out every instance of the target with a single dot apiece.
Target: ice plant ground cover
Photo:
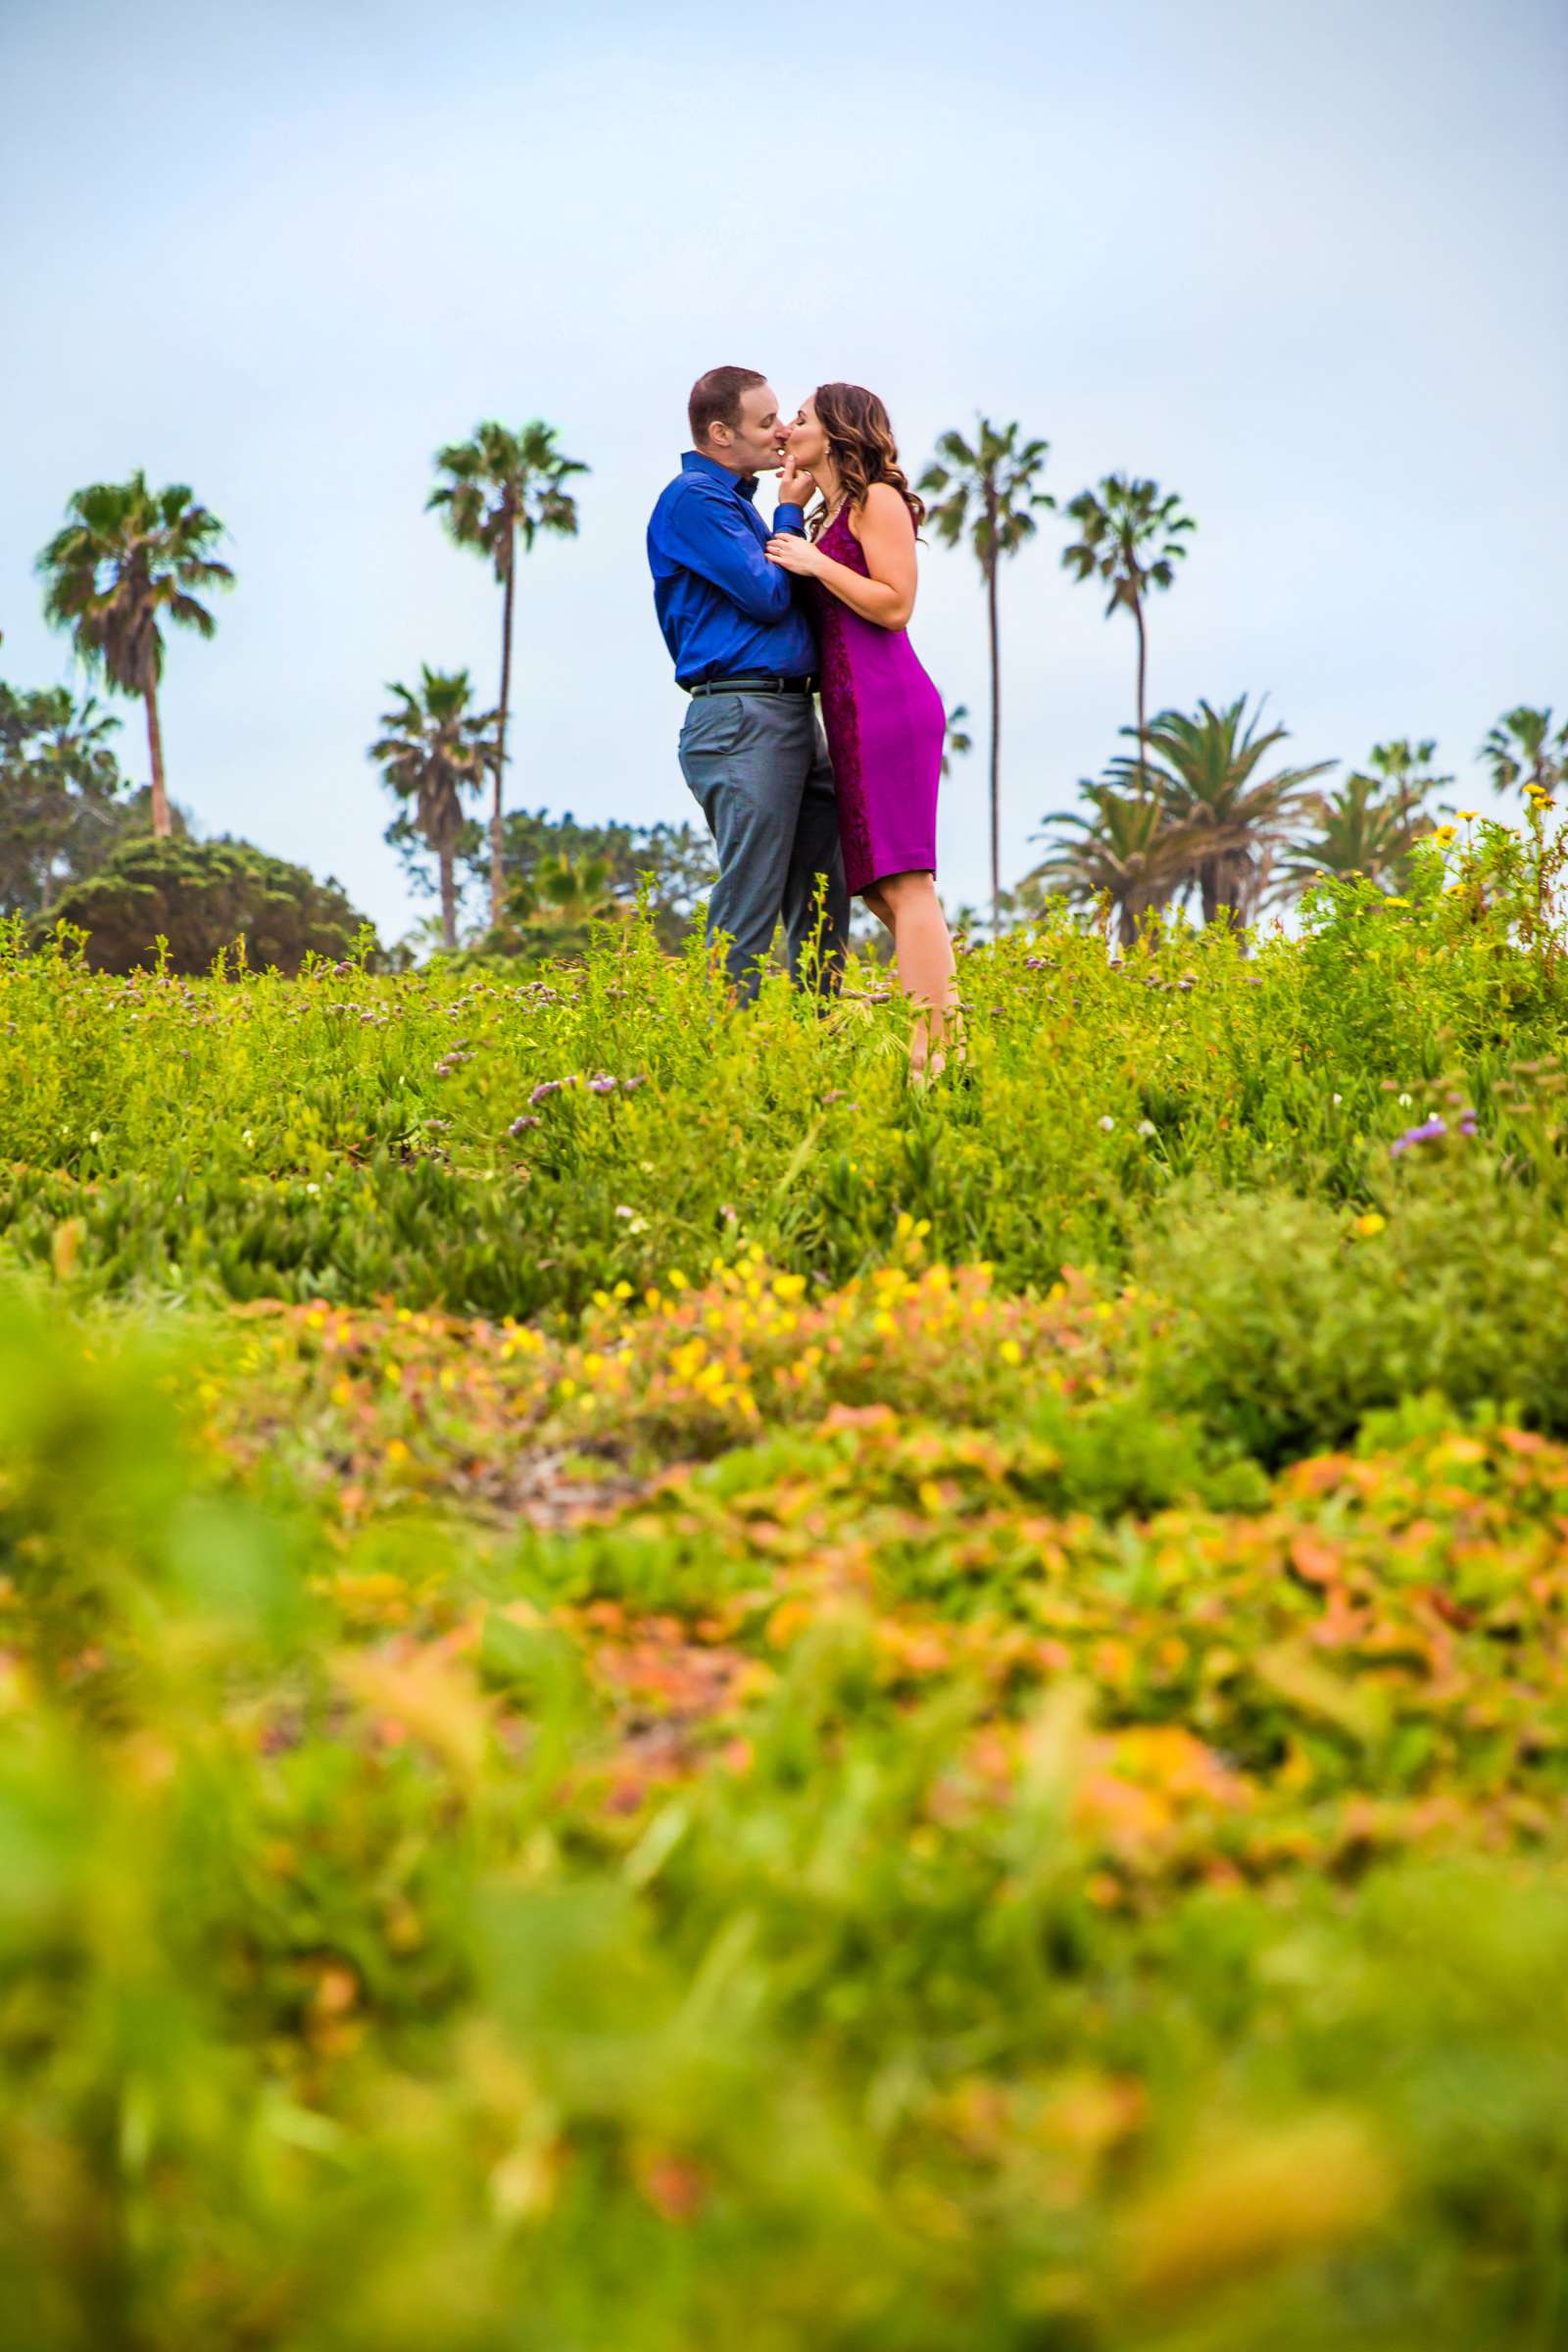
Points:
(772, 1712)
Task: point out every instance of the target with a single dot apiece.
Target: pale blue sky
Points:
(1304, 264)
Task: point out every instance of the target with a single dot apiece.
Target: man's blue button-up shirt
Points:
(724, 608)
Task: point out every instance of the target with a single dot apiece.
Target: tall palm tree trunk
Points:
(1143, 715)
(995, 740)
(497, 878)
(449, 897)
(155, 753)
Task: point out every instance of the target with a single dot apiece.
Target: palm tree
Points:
(502, 484)
(126, 556)
(987, 492)
(60, 793)
(1128, 851)
(1131, 538)
(1522, 749)
(1357, 833)
(564, 893)
(433, 750)
(957, 741)
(1404, 769)
(71, 743)
(1205, 774)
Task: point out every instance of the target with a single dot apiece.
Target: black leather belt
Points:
(757, 684)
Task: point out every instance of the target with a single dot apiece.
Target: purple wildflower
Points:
(630, 1086)
(522, 1124)
(1430, 1131)
(545, 1087)
(604, 1084)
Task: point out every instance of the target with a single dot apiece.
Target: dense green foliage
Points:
(208, 900)
(359, 1137)
(63, 805)
(657, 1693)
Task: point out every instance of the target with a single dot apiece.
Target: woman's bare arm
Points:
(886, 535)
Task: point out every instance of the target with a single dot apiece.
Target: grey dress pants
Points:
(758, 767)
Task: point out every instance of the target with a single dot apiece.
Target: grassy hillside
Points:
(655, 1694)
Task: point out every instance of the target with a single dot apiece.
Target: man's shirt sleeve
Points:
(789, 518)
(709, 535)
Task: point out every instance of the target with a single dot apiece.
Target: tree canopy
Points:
(127, 560)
(203, 896)
(64, 803)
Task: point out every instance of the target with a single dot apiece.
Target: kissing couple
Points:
(758, 622)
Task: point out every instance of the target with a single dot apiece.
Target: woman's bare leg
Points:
(927, 972)
(878, 906)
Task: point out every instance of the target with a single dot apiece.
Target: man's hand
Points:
(792, 552)
(795, 484)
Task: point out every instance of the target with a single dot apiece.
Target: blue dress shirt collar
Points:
(743, 484)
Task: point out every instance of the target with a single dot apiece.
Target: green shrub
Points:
(1290, 1325)
(207, 899)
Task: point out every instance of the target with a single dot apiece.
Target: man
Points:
(751, 748)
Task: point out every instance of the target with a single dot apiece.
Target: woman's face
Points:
(804, 440)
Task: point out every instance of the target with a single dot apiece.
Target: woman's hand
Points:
(792, 552)
(795, 484)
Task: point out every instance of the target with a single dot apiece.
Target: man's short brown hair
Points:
(716, 399)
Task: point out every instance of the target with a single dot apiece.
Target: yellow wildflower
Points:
(1370, 1223)
(1444, 834)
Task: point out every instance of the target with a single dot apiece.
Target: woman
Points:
(884, 718)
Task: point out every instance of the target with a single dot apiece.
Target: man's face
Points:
(756, 443)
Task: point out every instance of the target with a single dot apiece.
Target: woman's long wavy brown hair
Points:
(860, 440)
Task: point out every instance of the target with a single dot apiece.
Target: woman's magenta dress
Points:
(886, 724)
